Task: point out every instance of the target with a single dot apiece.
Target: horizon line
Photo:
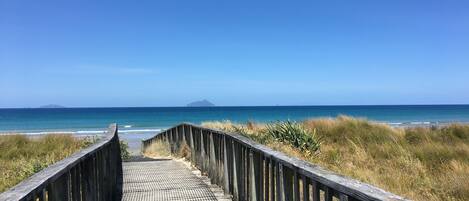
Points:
(319, 105)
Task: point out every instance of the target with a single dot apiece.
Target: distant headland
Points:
(52, 106)
(202, 103)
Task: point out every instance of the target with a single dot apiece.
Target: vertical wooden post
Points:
(296, 186)
(266, 182)
(327, 193)
(213, 163)
(76, 193)
(316, 193)
(202, 149)
(191, 140)
(226, 176)
(272, 179)
(281, 183)
(43, 195)
(183, 134)
(288, 183)
(305, 188)
(176, 142)
(252, 177)
(58, 190)
(171, 141)
(242, 175)
(260, 170)
(87, 180)
(235, 171)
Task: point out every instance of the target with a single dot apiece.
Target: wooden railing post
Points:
(234, 151)
(305, 183)
(213, 163)
(191, 140)
(226, 176)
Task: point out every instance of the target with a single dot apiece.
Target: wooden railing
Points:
(250, 171)
(94, 173)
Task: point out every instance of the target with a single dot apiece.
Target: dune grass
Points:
(162, 149)
(22, 156)
(421, 163)
(157, 149)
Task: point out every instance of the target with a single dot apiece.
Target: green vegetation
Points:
(419, 163)
(22, 156)
(124, 147)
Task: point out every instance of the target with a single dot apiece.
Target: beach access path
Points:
(166, 179)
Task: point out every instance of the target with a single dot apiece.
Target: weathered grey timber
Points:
(94, 173)
(163, 179)
(250, 171)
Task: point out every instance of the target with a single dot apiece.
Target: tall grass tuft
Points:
(22, 156)
(157, 149)
(296, 135)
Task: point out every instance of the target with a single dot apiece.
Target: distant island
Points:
(52, 106)
(202, 103)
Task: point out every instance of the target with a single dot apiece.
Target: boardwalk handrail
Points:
(94, 173)
(251, 171)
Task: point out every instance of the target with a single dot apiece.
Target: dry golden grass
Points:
(161, 149)
(157, 149)
(418, 163)
(21, 156)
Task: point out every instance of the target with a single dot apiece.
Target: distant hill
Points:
(202, 103)
(52, 106)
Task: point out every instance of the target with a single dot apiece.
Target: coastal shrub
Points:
(22, 156)
(420, 163)
(295, 134)
(124, 147)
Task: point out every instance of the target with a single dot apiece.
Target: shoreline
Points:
(147, 130)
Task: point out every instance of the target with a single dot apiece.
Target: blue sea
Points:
(150, 119)
(139, 123)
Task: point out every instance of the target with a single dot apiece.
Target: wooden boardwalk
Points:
(166, 179)
(245, 169)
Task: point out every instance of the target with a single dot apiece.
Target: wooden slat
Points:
(305, 183)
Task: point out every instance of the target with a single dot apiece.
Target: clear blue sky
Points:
(169, 53)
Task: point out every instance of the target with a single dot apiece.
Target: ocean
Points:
(152, 119)
(138, 123)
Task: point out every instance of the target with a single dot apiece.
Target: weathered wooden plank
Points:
(296, 186)
(305, 183)
(226, 176)
(266, 178)
(316, 192)
(328, 193)
(272, 179)
(236, 185)
(75, 182)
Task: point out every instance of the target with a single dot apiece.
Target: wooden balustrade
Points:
(94, 173)
(250, 171)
